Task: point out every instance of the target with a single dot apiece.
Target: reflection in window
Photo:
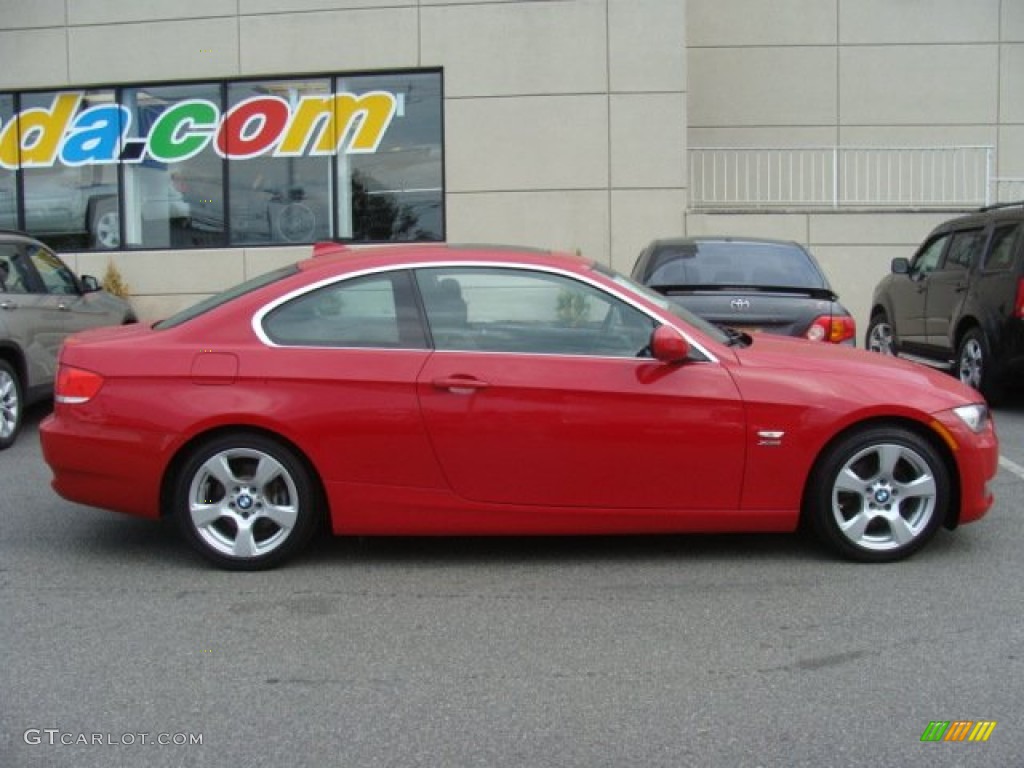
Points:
(528, 312)
(176, 198)
(287, 160)
(56, 277)
(69, 206)
(371, 311)
(277, 199)
(8, 189)
(397, 192)
(1003, 247)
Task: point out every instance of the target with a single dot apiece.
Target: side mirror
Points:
(668, 345)
(90, 284)
(900, 266)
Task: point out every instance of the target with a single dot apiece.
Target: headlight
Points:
(975, 416)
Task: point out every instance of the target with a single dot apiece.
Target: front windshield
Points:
(679, 311)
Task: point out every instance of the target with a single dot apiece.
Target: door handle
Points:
(63, 307)
(462, 385)
(8, 305)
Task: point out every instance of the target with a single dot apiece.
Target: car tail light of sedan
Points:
(76, 385)
(1018, 307)
(832, 328)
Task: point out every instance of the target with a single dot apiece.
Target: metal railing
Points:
(842, 177)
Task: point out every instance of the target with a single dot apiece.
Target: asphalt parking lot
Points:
(121, 648)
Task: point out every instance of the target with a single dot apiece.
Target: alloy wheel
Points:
(10, 406)
(970, 366)
(884, 497)
(243, 503)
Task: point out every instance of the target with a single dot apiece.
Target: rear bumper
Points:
(111, 469)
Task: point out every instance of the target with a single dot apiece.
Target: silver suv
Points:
(41, 302)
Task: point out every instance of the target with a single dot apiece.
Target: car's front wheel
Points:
(245, 501)
(878, 494)
(879, 335)
(11, 405)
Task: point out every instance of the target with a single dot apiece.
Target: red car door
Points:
(528, 404)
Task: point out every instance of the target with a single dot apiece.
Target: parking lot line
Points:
(1011, 466)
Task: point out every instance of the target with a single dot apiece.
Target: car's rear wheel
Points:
(245, 501)
(879, 494)
(12, 405)
(879, 335)
(974, 364)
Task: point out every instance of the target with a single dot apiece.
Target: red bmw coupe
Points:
(435, 390)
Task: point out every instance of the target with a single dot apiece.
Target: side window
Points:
(1004, 246)
(370, 311)
(56, 277)
(927, 258)
(964, 250)
(12, 269)
(528, 312)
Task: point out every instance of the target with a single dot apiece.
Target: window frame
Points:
(430, 217)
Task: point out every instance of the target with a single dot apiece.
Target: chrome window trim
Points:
(258, 317)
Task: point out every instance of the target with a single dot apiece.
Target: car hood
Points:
(855, 373)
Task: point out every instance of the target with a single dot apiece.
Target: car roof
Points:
(675, 241)
(329, 256)
(998, 212)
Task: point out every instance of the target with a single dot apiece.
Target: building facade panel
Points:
(158, 50)
(755, 86)
(18, 14)
(642, 215)
(561, 220)
(738, 23)
(936, 84)
(516, 49)
(647, 147)
(646, 45)
(328, 41)
(875, 22)
(257, 7)
(91, 12)
(1011, 84)
(527, 143)
(20, 46)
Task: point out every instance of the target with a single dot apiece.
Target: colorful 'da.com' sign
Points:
(262, 125)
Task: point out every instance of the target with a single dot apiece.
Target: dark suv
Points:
(959, 303)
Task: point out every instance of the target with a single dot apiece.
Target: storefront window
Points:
(285, 160)
(397, 192)
(8, 188)
(70, 183)
(174, 196)
(274, 198)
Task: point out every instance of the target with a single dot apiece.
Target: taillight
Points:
(1018, 306)
(833, 329)
(75, 385)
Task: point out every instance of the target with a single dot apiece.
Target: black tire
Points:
(879, 336)
(12, 405)
(245, 501)
(878, 494)
(974, 364)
